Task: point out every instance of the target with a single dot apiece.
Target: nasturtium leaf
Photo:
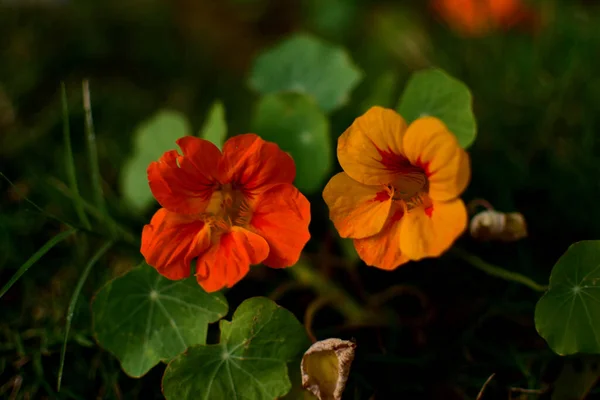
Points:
(568, 314)
(305, 64)
(249, 362)
(433, 92)
(296, 124)
(144, 318)
(152, 138)
(215, 128)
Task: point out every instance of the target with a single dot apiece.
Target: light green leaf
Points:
(568, 315)
(144, 318)
(249, 362)
(152, 138)
(305, 64)
(296, 124)
(433, 92)
(215, 127)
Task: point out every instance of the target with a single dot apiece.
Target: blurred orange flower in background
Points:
(225, 210)
(479, 17)
(398, 195)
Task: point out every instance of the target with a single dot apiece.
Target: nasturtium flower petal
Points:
(227, 262)
(383, 249)
(281, 216)
(184, 183)
(428, 232)
(356, 210)
(253, 163)
(171, 241)
(366, 145)
(430, 145)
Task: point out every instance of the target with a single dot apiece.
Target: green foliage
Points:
(215, 127)
(568, 315)
(249, 362)
(152, 138)
(434, 92)
(144, 318)
(296, 124)
(305, 64)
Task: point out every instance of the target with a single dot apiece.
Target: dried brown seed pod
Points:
(494, 225)
(325, 367)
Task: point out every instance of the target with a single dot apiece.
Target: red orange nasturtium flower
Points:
(398, 195)
(225, 210)
(478, 17)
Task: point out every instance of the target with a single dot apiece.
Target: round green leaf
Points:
(296, 124)
(152, 138)
(568, 315)
(215, 128)
(249, 362)
(434, 92)
(143, 318)
(305, 64)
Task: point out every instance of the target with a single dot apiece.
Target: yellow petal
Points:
(356, 210)
(371, 140)
(430, 145)
(383, 249)
(430, 232)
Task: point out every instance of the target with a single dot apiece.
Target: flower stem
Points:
(498, 272)
(305, 274)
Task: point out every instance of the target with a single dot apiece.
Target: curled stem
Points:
(340, 300)
(498, 272)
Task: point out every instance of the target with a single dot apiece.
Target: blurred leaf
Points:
(152, 138)
(577, 377)
(382, 92)
(305, 64)
(143, 318)
(296, 124)
(215, 127)
(567, 315)
(331, 18)
(250, 360)
(434, 92)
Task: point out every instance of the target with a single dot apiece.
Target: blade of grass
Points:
(94, 212)
(73, 303)
(90, 137)
(35, 257)
(69, 161)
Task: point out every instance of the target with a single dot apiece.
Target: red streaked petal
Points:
(229, 260)
(281, 216)
(383, 249)
(252, 163)
(357, 210)
(171, 241)
(184, 184)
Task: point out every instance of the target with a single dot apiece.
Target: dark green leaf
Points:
(144, 318)
(305, 64)
(249, 362)
(434, 92)
(568, 315)
(152, 138)
(296, 124)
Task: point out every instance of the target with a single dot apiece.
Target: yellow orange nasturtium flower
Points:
(398, 195)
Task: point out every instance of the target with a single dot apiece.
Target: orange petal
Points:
(357, 210)
(252, 163)
(430, 232)
(184, 184)
(228, 261)
(370, 150)
(430, 145)
(383, 249)
(171, 241)
(281, 216)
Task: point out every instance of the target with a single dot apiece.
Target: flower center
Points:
(228, 207)
(411, 190)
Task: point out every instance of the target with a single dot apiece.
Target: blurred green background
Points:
(536, 99)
